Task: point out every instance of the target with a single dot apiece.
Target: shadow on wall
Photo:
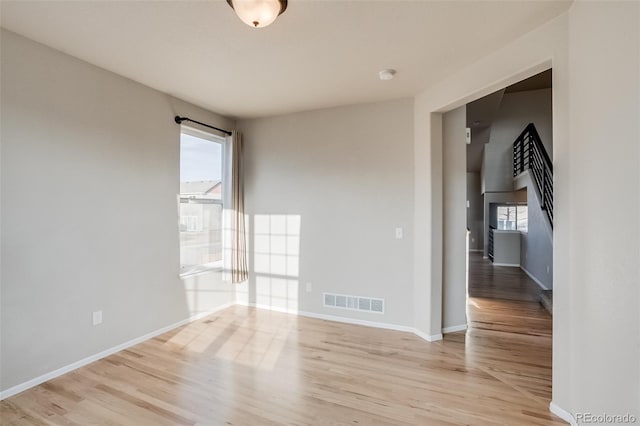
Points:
(275, 263)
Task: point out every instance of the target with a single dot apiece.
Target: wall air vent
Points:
(353, 303)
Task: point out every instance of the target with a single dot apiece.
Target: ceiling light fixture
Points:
(387, 74)
(258, 13)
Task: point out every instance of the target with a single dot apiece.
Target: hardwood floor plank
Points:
(245, 366)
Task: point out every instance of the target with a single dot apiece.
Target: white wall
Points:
(454, 247)
(89, 211)
(346, 174)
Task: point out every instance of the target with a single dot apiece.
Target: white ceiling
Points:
(319, 53)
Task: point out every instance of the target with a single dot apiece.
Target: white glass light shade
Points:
(257, 13)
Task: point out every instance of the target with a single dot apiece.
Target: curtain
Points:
(235, 238)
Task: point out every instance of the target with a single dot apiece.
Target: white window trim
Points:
(205, 268)
(516, 205)
(202, 269)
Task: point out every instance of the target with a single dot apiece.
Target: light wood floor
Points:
(245, 366)
(504, 298)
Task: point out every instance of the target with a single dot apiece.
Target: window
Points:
(513, 218)
(200, 201)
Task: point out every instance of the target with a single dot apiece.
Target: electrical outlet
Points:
(97, 317)
(399, 233)
(308, 287)
(548, 269)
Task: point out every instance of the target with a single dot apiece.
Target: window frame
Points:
(515, 206)
(207, 136)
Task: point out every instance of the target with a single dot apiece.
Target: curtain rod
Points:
(179, 120)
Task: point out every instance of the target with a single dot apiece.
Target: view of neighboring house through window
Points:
(200, 201)
(513, 218)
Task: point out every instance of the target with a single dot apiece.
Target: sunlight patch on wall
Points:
(276, 263)
(242, 293)
(277, 293)
(277, 244)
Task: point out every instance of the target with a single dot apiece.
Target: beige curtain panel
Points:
(236, 238)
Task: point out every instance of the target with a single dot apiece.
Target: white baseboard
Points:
(93, 358)
(454, 328)
(374, 324)
(366, 323)
(511, 265)
(88, 360)
(269, 308)
(533, 278)
(428, 338)
(562, 413)
(346, 320)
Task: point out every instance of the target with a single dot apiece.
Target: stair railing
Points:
(491, 239)
(529, 154)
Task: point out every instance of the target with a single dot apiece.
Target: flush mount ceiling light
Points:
(258, 13)
(387, 74)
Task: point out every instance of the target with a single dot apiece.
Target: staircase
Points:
(530, 155)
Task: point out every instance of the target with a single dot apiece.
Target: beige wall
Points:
(498, 198)
(604, 261)
(75, 135)
(475, 212)
(527, 56)
(594, 52)
(536, 251)
(346, 174)
(454, 247)
(515, 112)
(89, 211)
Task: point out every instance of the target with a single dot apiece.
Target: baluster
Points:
(522, 145)
(544, 187)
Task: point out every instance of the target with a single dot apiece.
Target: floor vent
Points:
(354, 303)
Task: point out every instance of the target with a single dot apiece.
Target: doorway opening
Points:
(501, 181)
